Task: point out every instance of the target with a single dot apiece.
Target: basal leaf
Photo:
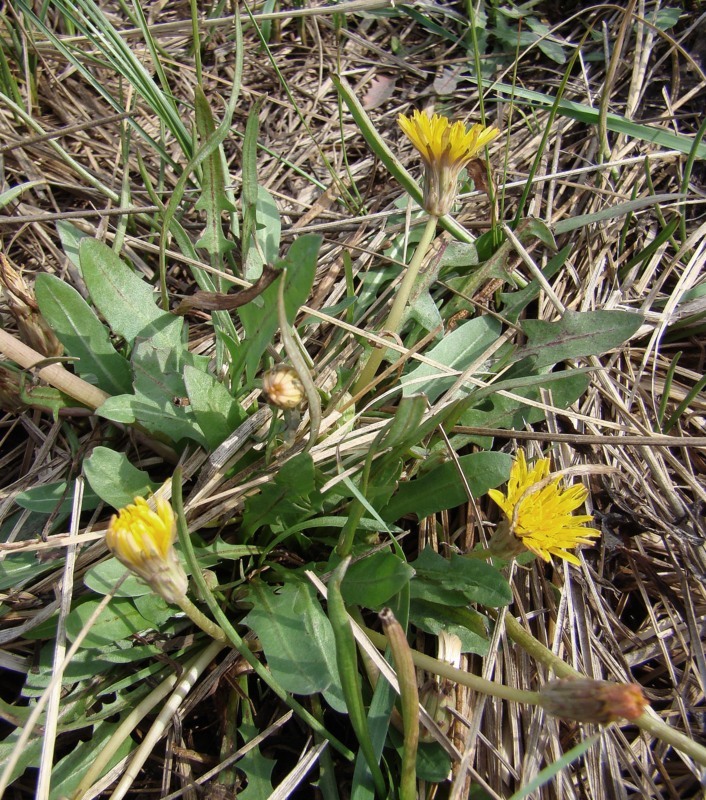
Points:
(213, 199)
(118, 620)
(83, 335)
(68, 772)
(296, 636)
(217, 412)
(576, 335)
(458, 581)
(52, 497)
(456, 350)
(442, 488)
(114, 478)
(372, 581)
(124, 299)
(259, 317)
(463, 622)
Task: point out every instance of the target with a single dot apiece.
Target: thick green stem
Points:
(394, 319)
(474, 682)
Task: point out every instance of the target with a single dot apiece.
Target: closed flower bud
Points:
(143, 540)
(586, 700)
(282, 387)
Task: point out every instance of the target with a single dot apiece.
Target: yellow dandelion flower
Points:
(143, 540)
(540, 514)
(446, 148)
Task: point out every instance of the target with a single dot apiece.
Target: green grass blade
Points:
(552, 770)
(590, 116)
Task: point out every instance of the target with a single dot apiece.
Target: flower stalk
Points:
(445, 149)
(648, 721)
(394, 318)
(409, 702)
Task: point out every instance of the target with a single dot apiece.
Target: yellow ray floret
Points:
(446, 148)
(540, 512)
(143, 540)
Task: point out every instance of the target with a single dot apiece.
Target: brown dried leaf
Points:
(380, 90)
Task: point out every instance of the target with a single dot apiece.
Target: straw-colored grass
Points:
(85, 142)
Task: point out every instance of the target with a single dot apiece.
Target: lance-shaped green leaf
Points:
(214, 199)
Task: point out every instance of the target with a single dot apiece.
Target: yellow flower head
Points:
(445, 148)
(539, 513)
(143, 540)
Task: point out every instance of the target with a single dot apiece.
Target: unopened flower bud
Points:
(586, 700)
(282, 387)
(143, 540)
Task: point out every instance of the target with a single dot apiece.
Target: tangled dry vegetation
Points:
(628, 210)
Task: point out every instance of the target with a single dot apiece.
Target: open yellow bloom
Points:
(539, 514)
(143, 540)
(445, 148)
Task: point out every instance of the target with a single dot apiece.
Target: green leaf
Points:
(372, 581)
(465, 623)
(296, 636)
(659, 136)
(154, 609)
(457, 350)
(217, 412)
(118, 620)
(9, 195)
(114, 479)
(611, 212)
(102, 579)
(458, 581)
(576, 335)
(164, 419)
(45, 397)
(68, 772)
(71, 238)
(158, 363)
(549, 773)
(125, 300)
(118, 408)
(29, 754)
(515, 302)
(497, 411)
(213, 199)
(442, 488)
(54, 498)
(423, 310)
(285, 500)
(257, 769)
(259, 317)
(82, 334)
(18, 569)
(267, 233)
(401, 431)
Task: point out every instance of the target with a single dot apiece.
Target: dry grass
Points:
(637, 605)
